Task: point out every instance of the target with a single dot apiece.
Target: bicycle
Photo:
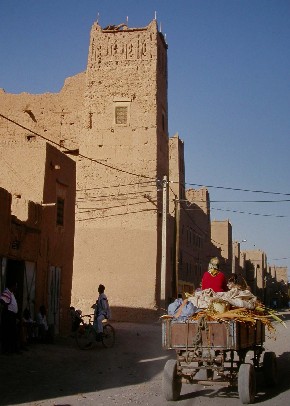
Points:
(87, 336)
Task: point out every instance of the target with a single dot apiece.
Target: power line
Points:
(133, 173)
(252, 214)
(114, 215)
(80, 155)
(154, 179)
(206, 234)
(89, 209)
(119, 195)
(237, 189)
(239, 201)
(279, 259)
(145, 183)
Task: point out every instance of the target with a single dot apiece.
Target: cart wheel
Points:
(171, 382)
(108, 339)
(247, 383)
(85, 337)
(270, 368)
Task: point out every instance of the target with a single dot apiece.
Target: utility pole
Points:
(164, 242)
(177, 232)
(233, 258)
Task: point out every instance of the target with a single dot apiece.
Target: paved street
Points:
(130, 373)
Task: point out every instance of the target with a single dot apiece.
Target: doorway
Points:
(23, 273)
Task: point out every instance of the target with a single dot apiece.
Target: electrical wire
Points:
(117, 196)
(145, 183)
(90, 209)
(237, 189)
(114, 215)
(240, 201)
(252, 214)
(156, 180)
(79, 155)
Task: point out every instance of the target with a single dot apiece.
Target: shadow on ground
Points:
(62, 369)
(264, 392)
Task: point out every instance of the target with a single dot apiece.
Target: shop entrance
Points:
(23, 273)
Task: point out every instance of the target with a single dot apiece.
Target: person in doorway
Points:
(9, 334)
(213, 278)
(102, 311)
(41, 323)
(28, 327)
(76, 318)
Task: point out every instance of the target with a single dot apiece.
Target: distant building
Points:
(222, 243)
(256, 269)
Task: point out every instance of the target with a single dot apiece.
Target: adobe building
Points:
(222, 244)
(119, 215)
(5, 222)
(37, 202)
(114, 117)
(191, 208)
(276, 285)
(137, 230)
(197, 231)
(238, 262)
(256, 270)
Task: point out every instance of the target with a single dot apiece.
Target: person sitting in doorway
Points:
(28, 327)
(41, 323)
(9, 331)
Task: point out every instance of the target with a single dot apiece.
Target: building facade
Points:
(137, 229)
(114, 118)
(37, 204)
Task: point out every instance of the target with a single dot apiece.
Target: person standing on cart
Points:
(213, 278)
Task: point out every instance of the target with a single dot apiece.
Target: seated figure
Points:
(41, 323)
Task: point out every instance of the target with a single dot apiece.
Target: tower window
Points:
(121, 111)
(60, 212)
(121, 115)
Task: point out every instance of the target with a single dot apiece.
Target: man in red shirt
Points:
(213, 278)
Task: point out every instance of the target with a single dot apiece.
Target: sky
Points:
(228, 92)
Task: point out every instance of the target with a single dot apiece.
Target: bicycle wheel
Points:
(108, 338)
(86, 337)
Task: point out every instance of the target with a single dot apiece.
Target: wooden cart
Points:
(214, 353)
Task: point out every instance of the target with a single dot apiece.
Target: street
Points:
(60, 374)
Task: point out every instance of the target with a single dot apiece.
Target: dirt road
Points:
(130, 373)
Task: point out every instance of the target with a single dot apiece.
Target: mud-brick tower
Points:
(119, 201)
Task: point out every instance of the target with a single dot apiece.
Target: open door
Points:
(54, 297)
(29, 288)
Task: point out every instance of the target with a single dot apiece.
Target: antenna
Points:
(127, 19)
(155, 17)
(98, 16)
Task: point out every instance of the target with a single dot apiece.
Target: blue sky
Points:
(229, 92)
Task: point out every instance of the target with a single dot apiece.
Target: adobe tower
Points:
(119, 205)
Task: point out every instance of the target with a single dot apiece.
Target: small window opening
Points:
(121, 114)
(60, 211)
